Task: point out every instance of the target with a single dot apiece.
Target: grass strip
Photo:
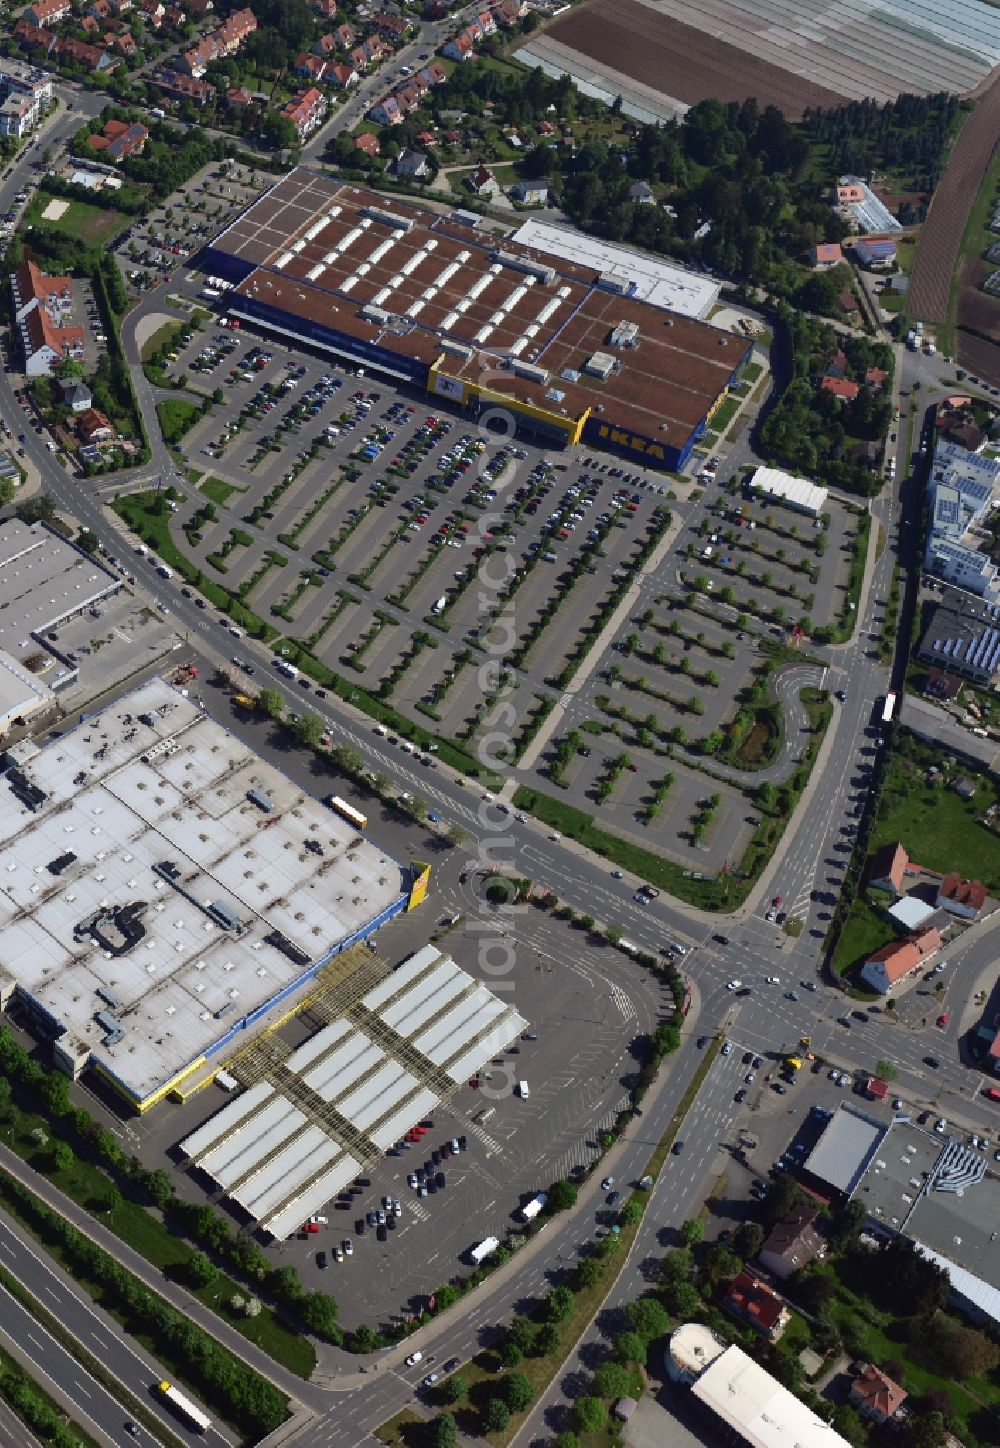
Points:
(132, 1405)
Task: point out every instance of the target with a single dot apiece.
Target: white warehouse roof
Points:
(149, 908)
(848, 1143)
(281, 1159)
(657, 282)
(797, 492)
(756, 1406)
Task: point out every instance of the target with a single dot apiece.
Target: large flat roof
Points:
(420, 285)
(43, 580)
(659, 283)
(758, 1407)
(847, 1145)
(133, 863)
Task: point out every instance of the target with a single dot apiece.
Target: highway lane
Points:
(98, 1333)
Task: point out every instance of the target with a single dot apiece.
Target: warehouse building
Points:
(163, 890)
(567, 348)
(332, 1106)
(754, 1406)
(797, 493)
(962, 636)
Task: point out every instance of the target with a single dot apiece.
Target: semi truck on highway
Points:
(184, 1408)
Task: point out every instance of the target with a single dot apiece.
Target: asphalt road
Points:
(93, 1407)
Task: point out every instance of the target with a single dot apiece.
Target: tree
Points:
(562, 1196)
(693, 1232)
(39, 509)
(454, 1389)
(924, 1430)
(319, 1313)
(558, 1304)
(309, 729)
(443, 1431)
(886, 1070)
(589, 1415)
(677, 1266)
(518, 1392)
(200, 1271)
(569, 1438)
(964, 1351)
(348, 759)
(548, 1338)
(456, 835)
(631, 1213)
(496, 1415)
(589, 1272)
(511, 1354)
(611, 1380)
(630, 1347)
(682, 1298)
(748, 1239)
(366, 1339)
(63, 1156)
(646, 1317)
(272, 701)
(917, 1286)
(847, 1422)
(521, 1333)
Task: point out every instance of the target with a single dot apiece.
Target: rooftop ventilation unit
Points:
(373, 313)
(617, 282)
(388, 218)
(112, 1030)
(601, 365)
(108, 997)
(227, 918)
(626, 334)
(529, 370)
(261, 800)
(537, 269)
(457, 349)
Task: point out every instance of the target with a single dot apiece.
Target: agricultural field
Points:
(790, 56)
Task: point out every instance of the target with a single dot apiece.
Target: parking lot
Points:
(153, 248)
(391, 540)
(513, 1144)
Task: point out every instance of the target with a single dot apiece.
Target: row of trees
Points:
(49, 1091)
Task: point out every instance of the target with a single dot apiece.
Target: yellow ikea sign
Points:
(617, 437)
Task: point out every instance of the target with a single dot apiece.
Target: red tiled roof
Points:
(754, 1300)
(891, 863)
(840, 387)
(902, 956)
(964, 892)
(878, 1392)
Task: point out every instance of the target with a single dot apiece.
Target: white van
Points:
(521, 1089)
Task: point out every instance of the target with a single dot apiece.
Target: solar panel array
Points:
(977, 648)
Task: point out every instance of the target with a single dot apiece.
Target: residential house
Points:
(306, 111)
(545, 128)
(75, 394)
(346, 35)
(482, 182)
(509, 12)
(875, 1395)
(394, 27)
(840, 387)
(44, 13)
(18, 114)
(386, 112)
(341, 76)
(752, 1300)
(530, 193)
(94, 427)
(793, 1243)
(964, 898)
(326, 46)
(889, 868)
(875, 377)
(836, 363)
(219, 43)
(99, 10)
(826, 255)
(126, 45)
(888, 967)
(119, 139)
(368, 143)
(412, 165)
(152, 12)
(459, 47)
(326, 8)
(850, 194)
(89, 25)
(641, 194)
(178, 87)
(847, 302)
(309, 67)
(42, 307)
(239, 99)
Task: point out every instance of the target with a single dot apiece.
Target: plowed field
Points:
(680, 61)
